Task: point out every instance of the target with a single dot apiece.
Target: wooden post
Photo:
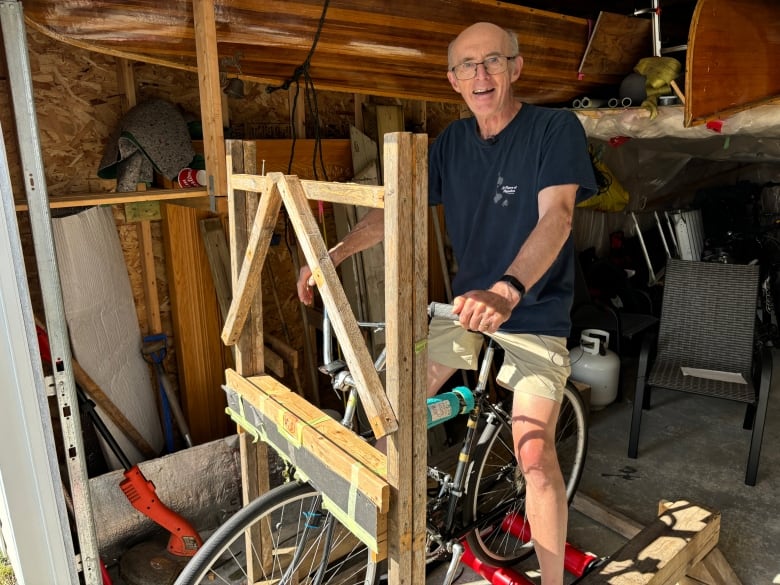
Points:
(210, 95)
(249, 348)
(406, 273)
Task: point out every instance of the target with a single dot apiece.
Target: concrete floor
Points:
(691, 448)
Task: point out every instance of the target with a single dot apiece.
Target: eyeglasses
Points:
(493, 66)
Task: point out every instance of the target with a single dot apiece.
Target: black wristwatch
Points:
(516, 284)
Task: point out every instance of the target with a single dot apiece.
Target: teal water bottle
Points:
(448, 405)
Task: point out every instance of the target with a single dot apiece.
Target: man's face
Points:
(484, 94)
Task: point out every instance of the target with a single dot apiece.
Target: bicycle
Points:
(480, 502)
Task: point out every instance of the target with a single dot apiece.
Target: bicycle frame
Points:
(451, 488)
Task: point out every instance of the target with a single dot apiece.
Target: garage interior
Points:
(144, 266)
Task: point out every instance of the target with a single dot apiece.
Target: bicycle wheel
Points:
(495, 502)
(294, 541)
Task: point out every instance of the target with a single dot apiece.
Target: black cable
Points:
(311, 96)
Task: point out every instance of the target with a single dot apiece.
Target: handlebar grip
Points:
(442, 311)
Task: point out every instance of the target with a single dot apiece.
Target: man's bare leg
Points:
(533, 431)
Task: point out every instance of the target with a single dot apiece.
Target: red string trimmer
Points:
(184, 540)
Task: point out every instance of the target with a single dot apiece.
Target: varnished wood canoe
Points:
(398, 48)
(732, 59)
(388, 48)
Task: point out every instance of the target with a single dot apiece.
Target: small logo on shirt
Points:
(503, 192)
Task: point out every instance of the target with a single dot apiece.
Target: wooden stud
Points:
(248, 352)
(406, 274)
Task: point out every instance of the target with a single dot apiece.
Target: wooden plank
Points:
(348, 471)
(664, 551)
(379, 120)
(372, 395)
(273, 155)
(372, 261)
(347, 193)
(406, 273)
(200, 355)
(210, 95)
(90, 199)
(617, 44)
(149, 275)
(613, 520)
(731, 59)
(297, 103)
(218, 253)
(249, 277)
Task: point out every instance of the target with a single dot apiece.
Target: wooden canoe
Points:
(732, 59)
(398, 48)
(372, 47)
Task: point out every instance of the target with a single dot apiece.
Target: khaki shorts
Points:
(533, 364)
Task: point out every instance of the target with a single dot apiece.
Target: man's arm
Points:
(556, 208)
(368, 232)
(488, 310)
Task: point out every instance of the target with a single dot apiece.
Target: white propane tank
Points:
(597, 366)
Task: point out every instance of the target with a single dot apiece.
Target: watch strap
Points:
(516, 284)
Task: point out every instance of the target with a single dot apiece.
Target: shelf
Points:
(90, 199)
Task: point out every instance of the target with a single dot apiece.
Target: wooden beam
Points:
(348, 193)
(218, 253)
(248, 283)
(210, 95)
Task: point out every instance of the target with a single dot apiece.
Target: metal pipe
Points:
(613, 102)
(626, 102)
(593, 102)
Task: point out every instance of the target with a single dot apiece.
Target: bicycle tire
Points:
(291, 515)
(495, 501)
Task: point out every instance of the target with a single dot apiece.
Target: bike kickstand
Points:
(457, 554)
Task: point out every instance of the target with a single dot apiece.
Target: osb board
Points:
(78, 106)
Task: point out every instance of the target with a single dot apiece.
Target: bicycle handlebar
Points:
(442, 311)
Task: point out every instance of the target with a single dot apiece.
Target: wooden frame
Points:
(398, 412)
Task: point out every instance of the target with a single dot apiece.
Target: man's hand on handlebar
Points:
(482, 310)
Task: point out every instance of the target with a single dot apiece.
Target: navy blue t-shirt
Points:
(490, 189)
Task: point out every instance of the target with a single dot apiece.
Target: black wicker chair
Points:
(707, 322)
